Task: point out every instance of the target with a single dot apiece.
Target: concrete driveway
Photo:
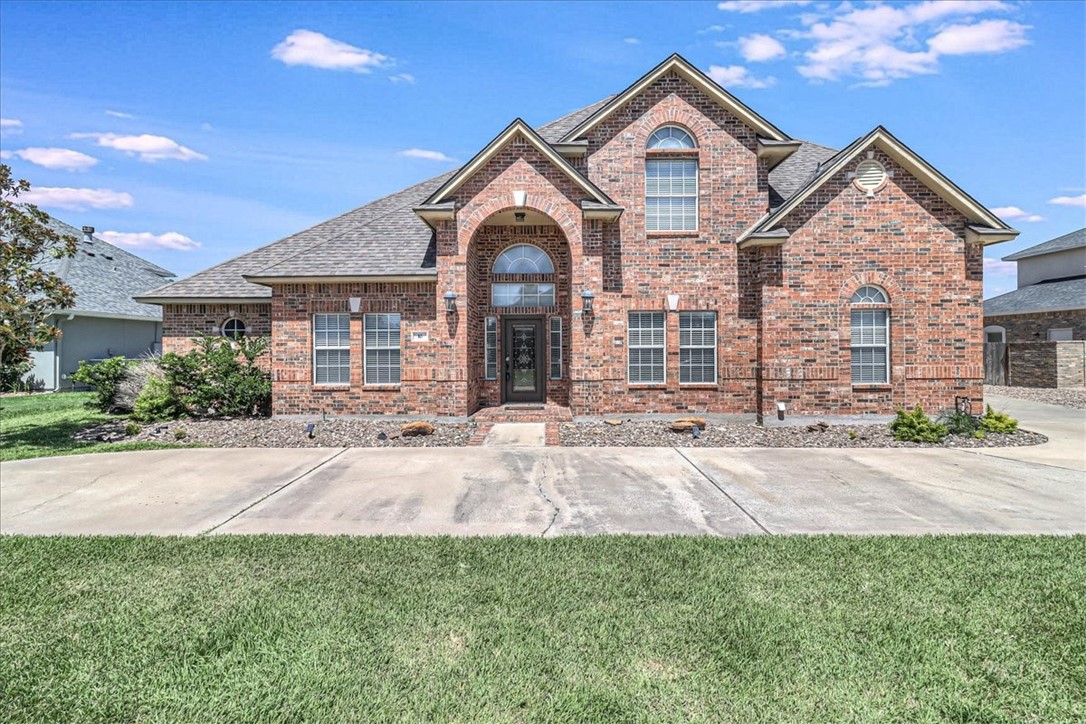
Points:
(539, 491)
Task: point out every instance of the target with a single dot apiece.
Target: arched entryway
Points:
(519, 301)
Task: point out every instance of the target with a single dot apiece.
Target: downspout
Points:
(57, 351)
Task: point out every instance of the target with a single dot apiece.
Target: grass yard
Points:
(974, 628)
(34, 426)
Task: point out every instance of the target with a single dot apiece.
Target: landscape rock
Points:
(612, 422)
(701, 422)
(419, 427)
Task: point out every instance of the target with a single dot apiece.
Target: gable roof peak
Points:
(696, 77)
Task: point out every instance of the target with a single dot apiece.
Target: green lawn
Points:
(33, 426)
(975, 628)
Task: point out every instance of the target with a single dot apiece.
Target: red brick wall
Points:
(905, 239)
(181, 323)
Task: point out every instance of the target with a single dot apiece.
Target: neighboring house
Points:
(665, 249)
(1049, 304)
(105, 321)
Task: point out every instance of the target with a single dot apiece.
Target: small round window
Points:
(870, 175)
(233, 329)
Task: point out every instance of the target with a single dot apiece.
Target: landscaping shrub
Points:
(219, 378)
(998, 422)
(915, 426)
(13, 372)
(959, 423)
(104, 377)
(131, 385)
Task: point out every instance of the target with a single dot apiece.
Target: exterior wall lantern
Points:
(450, 302)
(520, 198)
(356, 304)
(673, 302)
(587, 298)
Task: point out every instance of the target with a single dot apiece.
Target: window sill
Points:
(871, 386)
(646, 385)
(702, 385)
(335, 386)
(676, 234)
(380, 388)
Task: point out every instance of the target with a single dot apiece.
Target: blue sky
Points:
(195, 132)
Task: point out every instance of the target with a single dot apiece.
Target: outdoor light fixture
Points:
(672, 302)
(782, 407)
(450, 302)
(587, 297)
(520, 198)
(356, 304)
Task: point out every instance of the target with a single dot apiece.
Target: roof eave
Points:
(986, 235)
(694, 75)
(341, 278)
(777, 237)
(571, 148)
(203, 300)
(774, 151)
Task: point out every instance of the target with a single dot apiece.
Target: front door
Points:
(522, 359)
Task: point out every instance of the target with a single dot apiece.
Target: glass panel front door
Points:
(522, 348)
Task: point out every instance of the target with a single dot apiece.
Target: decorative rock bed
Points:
(1065, 396)
(657, 433)
(265, 432)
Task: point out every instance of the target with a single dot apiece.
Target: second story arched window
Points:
(671, 181)
(523, 259)
(870, 336)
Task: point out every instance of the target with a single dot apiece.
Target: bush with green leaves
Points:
(958, 422)
(14, 368)
(220, 378)
(104, 377)
(998, 422)
(915, 426)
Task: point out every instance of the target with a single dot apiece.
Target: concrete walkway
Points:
(537, 491)
(1065, 428)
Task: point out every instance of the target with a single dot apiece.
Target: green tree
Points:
(28, 293)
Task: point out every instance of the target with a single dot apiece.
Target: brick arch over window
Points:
(879, 279)
(673, 111)
(566, 219)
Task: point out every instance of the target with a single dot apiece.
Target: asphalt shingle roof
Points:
(105, 277)
(1074, 240)
(1068, 294)
(386, 238)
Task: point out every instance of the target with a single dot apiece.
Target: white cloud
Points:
(989, 36)
(146, 240)
(713, 29)
(76, 199)
(306, 47)
(881, 43)
(11, 126)
(1079, 201)
(147, 147)
(119, 114)
(631, 41)
(207, 127)
(402, 78)
(427, 155)
(5, 154)
(1013, 213)
(736, 76)
(759, 48)
(995, 267)
(754, 6)
(56, 158)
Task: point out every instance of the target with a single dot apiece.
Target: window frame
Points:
(327, 347)
(690, 314)
(1070, 334)
(232, 338)
(860, 303)
(505, 251)
(366, 349)
(993, 329)
(674, 157)
(630, 347)
(537, 285)
(490, 345)
(554, 351)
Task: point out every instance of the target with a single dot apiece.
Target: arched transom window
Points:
(671, 184)
(870, 336)
(523, 259)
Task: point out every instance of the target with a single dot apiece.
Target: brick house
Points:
(665, 249)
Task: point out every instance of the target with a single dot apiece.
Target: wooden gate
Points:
(995, 363)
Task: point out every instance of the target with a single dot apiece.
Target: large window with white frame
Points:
(382, 349)
(671, 184)
(645, 338)
(697, 347)
(870, 336)
(332, 349)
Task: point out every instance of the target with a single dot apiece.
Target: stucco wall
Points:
(1058, 265)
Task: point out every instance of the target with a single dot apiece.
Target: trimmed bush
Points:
(915, 426)
(998, 422)
(959, 423)
(104, 377)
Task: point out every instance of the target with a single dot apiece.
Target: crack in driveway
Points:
(716, 485)
(539, 487)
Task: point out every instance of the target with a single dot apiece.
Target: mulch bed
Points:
(656, 433)
(1066, 396)
(291, 433)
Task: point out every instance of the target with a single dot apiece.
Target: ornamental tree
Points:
(28, 293)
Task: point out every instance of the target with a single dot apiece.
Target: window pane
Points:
(671, 188)
(523, 259)
(697, 347)
(556, 348)
(645, 334)
(490, 342)
(382, 349)
(522, 295)
(670, 137)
